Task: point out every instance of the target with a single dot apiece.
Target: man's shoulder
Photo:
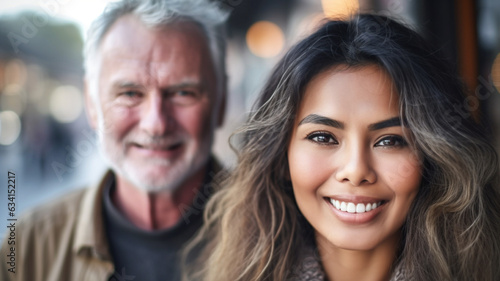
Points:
(55, 212)
(65, 209)
(44, 231)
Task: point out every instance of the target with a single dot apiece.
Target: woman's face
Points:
(354, 175)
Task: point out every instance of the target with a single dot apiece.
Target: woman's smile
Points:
(353, 207)
(353, 170)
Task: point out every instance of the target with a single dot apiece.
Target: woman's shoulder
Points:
(309, 268)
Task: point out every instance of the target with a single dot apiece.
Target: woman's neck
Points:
(346, 265)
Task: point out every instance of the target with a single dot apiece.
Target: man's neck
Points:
(159, 210)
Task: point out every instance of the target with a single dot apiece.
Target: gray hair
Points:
(206, 14)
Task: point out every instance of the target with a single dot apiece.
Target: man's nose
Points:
(354, 166)
(155, 114)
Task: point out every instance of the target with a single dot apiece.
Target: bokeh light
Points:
(10, 127)
(66, 104)
(15, 72)
(495, 72)
(310, 24)
(265, 39)
(13, 98)
(339, 8)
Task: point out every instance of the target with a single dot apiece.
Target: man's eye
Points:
(131, 94)
(185, 97)
(322, 138)
(391, 141)
(184, 93)
(129, 98)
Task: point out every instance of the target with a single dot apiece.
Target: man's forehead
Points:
(158, 50)
(128, 63)
(134, 53)
(143, 70)
(128, 32)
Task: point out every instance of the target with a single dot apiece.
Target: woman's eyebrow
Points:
(391, 122)
(322, 120)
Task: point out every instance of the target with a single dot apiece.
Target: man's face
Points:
(158, 102)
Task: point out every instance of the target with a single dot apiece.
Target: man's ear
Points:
(90, 105)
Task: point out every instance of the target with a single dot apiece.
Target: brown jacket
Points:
(63, 240)
(66, 239)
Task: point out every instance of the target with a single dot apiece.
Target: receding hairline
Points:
(181, 25)
(178, 24)
(175, 24)
(209, 16)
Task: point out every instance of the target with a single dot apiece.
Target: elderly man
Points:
(155, 91)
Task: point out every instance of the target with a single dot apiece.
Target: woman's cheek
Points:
(309, 167)
(400, 172)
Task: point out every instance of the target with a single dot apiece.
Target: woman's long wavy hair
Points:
(253, 227)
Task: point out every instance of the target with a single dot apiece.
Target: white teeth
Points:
(351, 208)
(360, 208)
(354, 208)
(343, 206)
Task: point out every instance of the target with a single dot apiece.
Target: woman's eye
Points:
(391, 141)
(322, 138)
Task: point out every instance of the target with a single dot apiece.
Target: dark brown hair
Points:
(452, 231)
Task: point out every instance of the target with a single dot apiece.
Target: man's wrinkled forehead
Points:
(156, 53)
(119, 70)
(129, 33)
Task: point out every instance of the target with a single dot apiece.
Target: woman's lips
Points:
(356, 211)
(352, 207)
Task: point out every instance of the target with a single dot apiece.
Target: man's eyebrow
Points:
(130, 84)
(321, 120)
(126, 84)
(186, 84)
(392, 122)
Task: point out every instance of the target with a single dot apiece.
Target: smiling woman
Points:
(353, 166)
(344, 153)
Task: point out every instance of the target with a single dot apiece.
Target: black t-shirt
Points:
(143, 255)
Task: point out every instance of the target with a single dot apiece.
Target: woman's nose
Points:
(354, 166)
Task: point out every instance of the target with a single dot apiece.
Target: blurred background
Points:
(44, 135)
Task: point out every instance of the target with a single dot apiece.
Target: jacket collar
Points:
(90, 235)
